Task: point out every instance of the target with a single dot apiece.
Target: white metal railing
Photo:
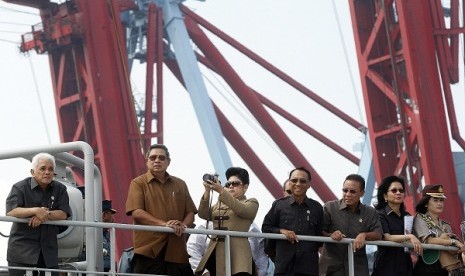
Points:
(226, 234)
(93, 191)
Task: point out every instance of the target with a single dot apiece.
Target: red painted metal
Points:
(272, 69)
(159, 50)
(240, 145)
(252, 102)
(291, 118)
(403, 94)
(93, 96)
(150, 61)
(400, 80)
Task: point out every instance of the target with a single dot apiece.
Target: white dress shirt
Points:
(197, 243)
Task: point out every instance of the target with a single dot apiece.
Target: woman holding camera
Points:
(233, 212)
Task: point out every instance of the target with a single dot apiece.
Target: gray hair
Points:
(40, 156)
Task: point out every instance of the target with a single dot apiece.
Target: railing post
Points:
(112, 251)
(227, 255)
(350, 255)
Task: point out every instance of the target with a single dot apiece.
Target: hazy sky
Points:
(301, 37)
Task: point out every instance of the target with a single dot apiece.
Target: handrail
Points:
(93, 192)
(227, 234)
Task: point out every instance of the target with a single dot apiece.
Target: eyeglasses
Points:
(154, 157)
(395, 190)
(345, 191)
(232, 183)
(298, 180)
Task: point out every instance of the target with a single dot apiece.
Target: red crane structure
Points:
(87, 44)
(408, 60)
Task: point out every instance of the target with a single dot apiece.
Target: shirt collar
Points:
(343, 205)
(150, 177)
(34, 183)
(388, 209)
(292, 200)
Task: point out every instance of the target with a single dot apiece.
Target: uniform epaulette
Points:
(430, 221)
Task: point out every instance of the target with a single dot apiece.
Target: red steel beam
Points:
(252, 102)
(272, 69)
(405, 96)
(291, 118)
(240, 145)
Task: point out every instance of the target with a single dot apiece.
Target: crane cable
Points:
(354, 90)
(400, 111)
(15, 10)
(36, 88)
(123, 63)
(242, 111)
(33, 73)
(13, 23)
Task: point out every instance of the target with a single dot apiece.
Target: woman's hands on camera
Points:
(213, 185)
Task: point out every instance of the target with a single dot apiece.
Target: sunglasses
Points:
(298, 180)
(345, 191)
(154, 157)
(395, 190)
(232, 183)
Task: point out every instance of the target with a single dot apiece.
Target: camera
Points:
(210, 177)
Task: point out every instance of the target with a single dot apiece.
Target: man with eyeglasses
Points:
(39, 199)
(295, 215)
(348, 218)
(160, 199)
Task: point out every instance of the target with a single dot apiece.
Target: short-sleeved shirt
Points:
(337, 216)
(304, 219)
(424, 227)
(26, 243)
(168, 201)
(392, 260)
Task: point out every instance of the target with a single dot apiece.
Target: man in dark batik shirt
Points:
(38, 198)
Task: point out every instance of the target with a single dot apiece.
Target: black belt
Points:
(221, 218)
